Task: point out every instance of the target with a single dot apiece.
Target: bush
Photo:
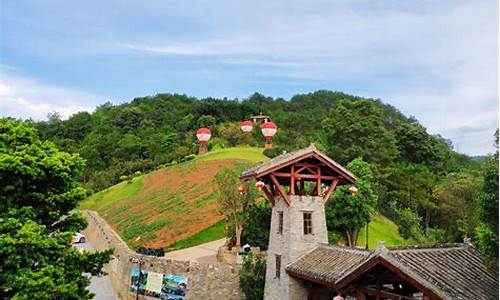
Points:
(253, 276)
(137, 173)
(275, 151)
(188, 157)
(257, 223)
(409, 224)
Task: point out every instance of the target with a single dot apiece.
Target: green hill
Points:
(176, 207)
(171, 204)
(380, 229)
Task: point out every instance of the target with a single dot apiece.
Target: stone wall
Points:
(292, 243)
(205, 281)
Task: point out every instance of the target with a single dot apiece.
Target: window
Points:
(278, 266)
(280, 222)
(307, 222)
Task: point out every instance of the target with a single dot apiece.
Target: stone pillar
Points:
(292, 243)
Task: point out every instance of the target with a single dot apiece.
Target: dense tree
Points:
(39, 190)
(456, 205)
(347, 213)
(487, 201)
(253, 276)
(258, 222)
(235, 198)
(356, 129)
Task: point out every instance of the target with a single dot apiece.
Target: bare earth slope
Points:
(171, 204)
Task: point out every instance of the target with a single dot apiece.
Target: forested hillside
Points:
(421, 184)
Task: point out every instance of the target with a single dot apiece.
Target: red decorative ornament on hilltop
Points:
(203, 135)
(246, 126)
(268, 130)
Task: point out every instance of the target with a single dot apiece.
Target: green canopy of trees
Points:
(39, 190)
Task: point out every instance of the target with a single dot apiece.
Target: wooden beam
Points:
(280, 189)
(319, 182)
(292, 181)
(382, 293)
(308, 176)
(331, 189)
(268, 194)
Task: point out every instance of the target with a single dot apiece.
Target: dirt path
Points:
(204, 253)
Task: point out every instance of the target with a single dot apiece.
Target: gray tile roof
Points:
(453, 271)
(290, 156)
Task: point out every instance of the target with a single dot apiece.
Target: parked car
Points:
(79, 238)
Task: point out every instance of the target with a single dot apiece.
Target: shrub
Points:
(253, 276)
(275, 151)
(258, 221)
(188, 157)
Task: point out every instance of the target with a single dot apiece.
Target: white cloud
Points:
(27, 98)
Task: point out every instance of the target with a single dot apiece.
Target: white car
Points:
(79, 238)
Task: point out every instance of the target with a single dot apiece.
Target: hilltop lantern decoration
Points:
(246, 126)
(269, 130)
(203, 135)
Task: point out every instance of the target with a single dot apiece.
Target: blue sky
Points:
(435, 60)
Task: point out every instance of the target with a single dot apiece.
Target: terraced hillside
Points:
(171, 204)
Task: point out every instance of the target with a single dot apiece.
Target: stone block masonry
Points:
(205, 281)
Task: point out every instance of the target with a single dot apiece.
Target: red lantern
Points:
(352, 190)
(259, 185)
(268, 130)
(246, 126)
(242, 189)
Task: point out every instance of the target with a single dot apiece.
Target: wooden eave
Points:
(342, 175)
(380, 259)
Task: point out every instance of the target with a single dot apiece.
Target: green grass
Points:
(208, 234)
(381, 229)
(247, 153)
(107, 197)
(128, 208)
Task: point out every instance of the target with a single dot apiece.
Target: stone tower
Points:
(297, 184)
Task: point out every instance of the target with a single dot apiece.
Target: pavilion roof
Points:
(288, 158)
(451, 271)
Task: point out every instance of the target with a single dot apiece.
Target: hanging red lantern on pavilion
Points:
(268, 130)
(352, 190)
(260, 185)
(246, 126)
(242, 189)
(203, 135)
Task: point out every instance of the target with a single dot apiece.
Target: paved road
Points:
(205, 253)
(100, 286)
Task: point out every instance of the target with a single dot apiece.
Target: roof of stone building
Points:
(451, 271)
(290, 157)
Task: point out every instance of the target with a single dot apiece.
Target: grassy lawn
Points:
(120, 191)
(247, 153)
(156, 208)
(381, 229)
(208, 234)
